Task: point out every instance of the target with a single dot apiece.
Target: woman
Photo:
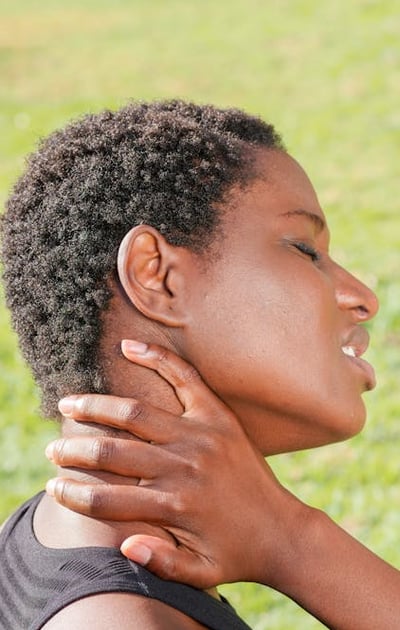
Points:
(270, 536)
(190, 228)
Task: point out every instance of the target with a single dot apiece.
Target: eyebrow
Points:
(315, 218)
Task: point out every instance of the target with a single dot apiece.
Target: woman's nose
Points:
(353, 295)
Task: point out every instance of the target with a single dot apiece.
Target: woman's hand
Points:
(201, 479)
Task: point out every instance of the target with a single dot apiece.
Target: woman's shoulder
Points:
(109, 611)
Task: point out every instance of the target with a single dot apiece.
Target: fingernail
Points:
(136, 347)
(66, 406)
(51, 487)
(137, 552)
(49, 451)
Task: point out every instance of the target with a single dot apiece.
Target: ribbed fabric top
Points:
(36, 582)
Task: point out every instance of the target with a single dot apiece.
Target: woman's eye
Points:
(308, 251)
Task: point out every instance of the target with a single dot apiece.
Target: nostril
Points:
(370, 306)
(363, 310)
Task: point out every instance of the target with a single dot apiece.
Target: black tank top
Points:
(36, 582)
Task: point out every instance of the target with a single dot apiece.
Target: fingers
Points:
(141, 419)
(129, 458)
(113, 502)
(128, 414)
(184, 378)
(170, 562)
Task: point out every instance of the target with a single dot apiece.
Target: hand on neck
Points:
(58, 527)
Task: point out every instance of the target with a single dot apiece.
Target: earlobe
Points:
(149, 270)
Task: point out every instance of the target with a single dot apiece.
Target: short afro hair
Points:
(168, 164)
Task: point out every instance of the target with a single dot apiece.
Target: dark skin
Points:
(241, 314)
(346, 576)
(57, 527)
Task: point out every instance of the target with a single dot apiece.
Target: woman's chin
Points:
(316, 436)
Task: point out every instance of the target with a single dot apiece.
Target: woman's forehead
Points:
(281, 188)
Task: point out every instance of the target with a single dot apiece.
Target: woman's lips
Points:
(367, 369)
(353, 348)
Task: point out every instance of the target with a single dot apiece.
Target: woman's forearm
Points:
(336, 578)
(273, 538)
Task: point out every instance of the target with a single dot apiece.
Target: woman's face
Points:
(279, 319)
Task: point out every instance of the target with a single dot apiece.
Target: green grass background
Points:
(327, 75)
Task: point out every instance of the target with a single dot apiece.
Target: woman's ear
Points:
(151, 272)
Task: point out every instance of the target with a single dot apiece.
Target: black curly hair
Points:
(168, 164)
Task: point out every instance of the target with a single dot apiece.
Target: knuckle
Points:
(176, 506)
(83, 498)
(192, 467)
(92, 501)
(167, 567)
(186, 372)
(59, 451)
(188, 464)
(170, 506)
(183, 372)
(163, 355)
(190, 374)
(132, 410)
(102, 450)
(61, 491)
(84, 406)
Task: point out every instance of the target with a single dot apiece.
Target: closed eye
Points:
(308, 251)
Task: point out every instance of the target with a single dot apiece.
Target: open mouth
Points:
(349, 351)
(368, 371)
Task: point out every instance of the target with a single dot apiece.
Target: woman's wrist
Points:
(335, 578)
(302, 542)
(297, 525)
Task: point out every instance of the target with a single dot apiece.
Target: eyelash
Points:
(308, 251)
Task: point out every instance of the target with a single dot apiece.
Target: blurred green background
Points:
(327, 75)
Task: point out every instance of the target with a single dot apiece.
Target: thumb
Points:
(170, 562)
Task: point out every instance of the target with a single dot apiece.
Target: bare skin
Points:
(265, 316)
(120, 610)
(352, 589)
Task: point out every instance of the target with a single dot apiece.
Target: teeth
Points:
(349, 351)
